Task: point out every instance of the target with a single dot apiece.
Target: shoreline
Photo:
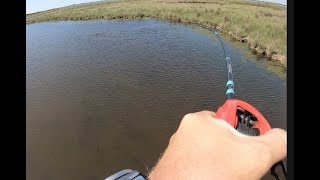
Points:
(253, 44)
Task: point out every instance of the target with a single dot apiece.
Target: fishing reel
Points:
(243, 117)
(249, 121)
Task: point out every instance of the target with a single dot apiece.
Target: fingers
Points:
(194, 118)
(171, 137)
(207, 113)
(191, 120)
(276, 140)
(204, 113)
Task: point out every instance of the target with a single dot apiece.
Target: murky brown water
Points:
(104, 96)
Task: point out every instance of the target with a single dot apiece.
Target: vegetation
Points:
(262, 25)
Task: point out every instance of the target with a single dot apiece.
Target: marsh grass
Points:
(261, 25)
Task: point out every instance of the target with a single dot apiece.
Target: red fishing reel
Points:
(243, 117)
(247, 120)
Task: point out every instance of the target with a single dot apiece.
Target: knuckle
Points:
(187, 118)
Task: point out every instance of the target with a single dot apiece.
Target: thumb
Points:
(276, 141)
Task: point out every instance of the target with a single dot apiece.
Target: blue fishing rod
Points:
(230, 84)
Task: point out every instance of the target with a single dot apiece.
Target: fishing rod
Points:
(241, 115)
(230, 84)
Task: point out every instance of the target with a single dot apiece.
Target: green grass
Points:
(262, 25)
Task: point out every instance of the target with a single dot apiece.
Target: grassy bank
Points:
(262, 25)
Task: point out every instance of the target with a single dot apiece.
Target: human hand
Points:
(208, 148)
